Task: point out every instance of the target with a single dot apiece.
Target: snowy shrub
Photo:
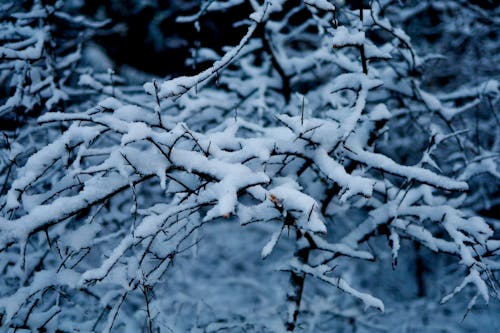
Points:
(310, 156)
(462, 40)
(40, 57)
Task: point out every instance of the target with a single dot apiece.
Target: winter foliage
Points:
(329, 172)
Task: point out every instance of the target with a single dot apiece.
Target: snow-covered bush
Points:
(312, 142)
(461, 38)
(40, 54)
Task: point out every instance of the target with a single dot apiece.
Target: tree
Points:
(316, 133)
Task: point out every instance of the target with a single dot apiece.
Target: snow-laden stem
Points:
(297, 281)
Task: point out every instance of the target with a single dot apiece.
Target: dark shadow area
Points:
(149, 38)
